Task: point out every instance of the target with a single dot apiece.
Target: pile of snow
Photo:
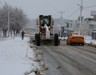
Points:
(89, 40)
(14, 57)
(93, 42)
(63, 38)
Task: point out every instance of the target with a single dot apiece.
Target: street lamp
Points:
(81, 8)
(61, 12)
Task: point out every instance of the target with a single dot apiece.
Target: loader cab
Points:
(44, 20)
(41, 20)
(47, 20)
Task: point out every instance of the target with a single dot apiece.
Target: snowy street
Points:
(17, 58)
(14, 57)
(69, 60)
(47, 37)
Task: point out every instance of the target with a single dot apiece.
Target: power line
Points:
(85, 7)
(73, 13)
(90, 6)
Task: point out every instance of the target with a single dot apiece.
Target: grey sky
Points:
(33, 8)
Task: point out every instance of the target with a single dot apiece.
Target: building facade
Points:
(87, 26)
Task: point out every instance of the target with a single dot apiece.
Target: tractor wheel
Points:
(38, 39)
(36, 36)
(56, 43)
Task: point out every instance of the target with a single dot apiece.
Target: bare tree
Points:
(4, 19)
(17, 19)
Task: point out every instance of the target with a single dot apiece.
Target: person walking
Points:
(22, 34)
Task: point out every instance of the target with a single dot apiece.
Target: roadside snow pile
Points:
(89, 41)
(63, 38)
(16, 57)
(93, 43)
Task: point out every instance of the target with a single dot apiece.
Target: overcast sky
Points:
(33, 8)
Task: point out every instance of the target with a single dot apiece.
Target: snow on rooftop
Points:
(14, 54)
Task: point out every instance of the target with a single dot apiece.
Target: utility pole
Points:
(61, 13)
(81, 8)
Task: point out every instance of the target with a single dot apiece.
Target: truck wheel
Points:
(56, 43)
(35, 36)
(38, 39)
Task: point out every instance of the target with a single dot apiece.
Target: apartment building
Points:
(88, 25)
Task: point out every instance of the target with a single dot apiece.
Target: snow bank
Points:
(14, 57)
(63, 38)
(89, 40)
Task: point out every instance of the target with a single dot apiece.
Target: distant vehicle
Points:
(75, 39)
(45, 26)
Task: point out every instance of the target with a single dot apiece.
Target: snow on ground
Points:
(89, 40)
(14, 57)
(15, 54)
(63, 38)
